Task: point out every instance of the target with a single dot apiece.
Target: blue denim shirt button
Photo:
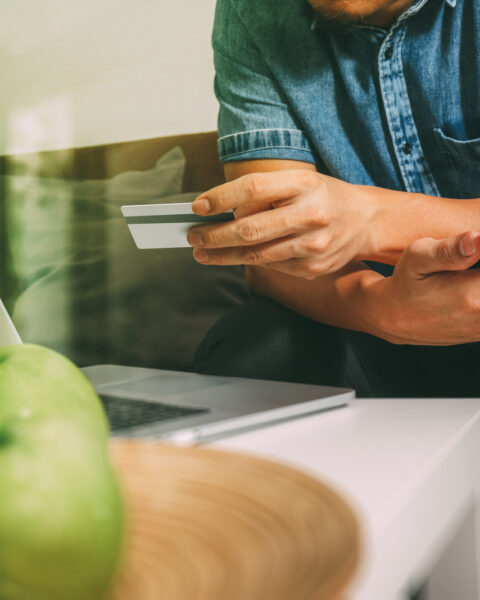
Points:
(407, 148)
(388, 52)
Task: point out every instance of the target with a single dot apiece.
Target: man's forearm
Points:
(401, 218)
(340, 299)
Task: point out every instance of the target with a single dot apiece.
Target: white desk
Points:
(411, 470)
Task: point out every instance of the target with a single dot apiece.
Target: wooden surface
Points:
(204, 524)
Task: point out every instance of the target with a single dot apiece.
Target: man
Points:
(350, 133)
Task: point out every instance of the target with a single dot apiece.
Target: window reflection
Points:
(102, 106)
(74, 279)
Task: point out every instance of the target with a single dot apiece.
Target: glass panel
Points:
(100, 106)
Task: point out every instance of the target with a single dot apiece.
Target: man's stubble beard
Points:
(352, 14)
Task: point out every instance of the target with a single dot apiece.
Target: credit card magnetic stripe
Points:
(149, 219)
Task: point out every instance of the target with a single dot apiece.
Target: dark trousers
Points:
(262, 339)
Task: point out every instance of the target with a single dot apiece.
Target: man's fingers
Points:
(250, 230)
(250, 208)
(288, 255)
(257, 188)
(429, 256)
(260, 254)
(468, 243)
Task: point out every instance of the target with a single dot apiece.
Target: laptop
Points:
(188, 408)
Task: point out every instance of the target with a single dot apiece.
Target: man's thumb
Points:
(450, 254)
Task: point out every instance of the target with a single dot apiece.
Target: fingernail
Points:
(195, 239)
(201, 255)
(201, 206)
(467, 245)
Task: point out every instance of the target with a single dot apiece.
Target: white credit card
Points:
(165, 225)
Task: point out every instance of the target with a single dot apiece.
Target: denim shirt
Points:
(396, 108)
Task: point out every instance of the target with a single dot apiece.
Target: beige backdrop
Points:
(87, 73)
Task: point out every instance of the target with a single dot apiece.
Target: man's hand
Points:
(298, 222)
(431, 299)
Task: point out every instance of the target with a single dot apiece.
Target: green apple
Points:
(61, 514)
(60, 505)
(36, 381)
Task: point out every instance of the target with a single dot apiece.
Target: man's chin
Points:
(346, 9)
(343, 16)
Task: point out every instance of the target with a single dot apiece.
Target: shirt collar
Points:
(416, 6)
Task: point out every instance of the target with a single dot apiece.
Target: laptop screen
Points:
(8, 333)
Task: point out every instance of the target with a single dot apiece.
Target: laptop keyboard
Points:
(123, 413)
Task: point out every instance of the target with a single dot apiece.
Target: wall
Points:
(93, 72)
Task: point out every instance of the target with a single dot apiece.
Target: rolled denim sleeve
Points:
(254, 119)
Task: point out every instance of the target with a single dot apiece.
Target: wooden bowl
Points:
(209, 525)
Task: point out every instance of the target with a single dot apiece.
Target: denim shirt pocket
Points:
(461, 159)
